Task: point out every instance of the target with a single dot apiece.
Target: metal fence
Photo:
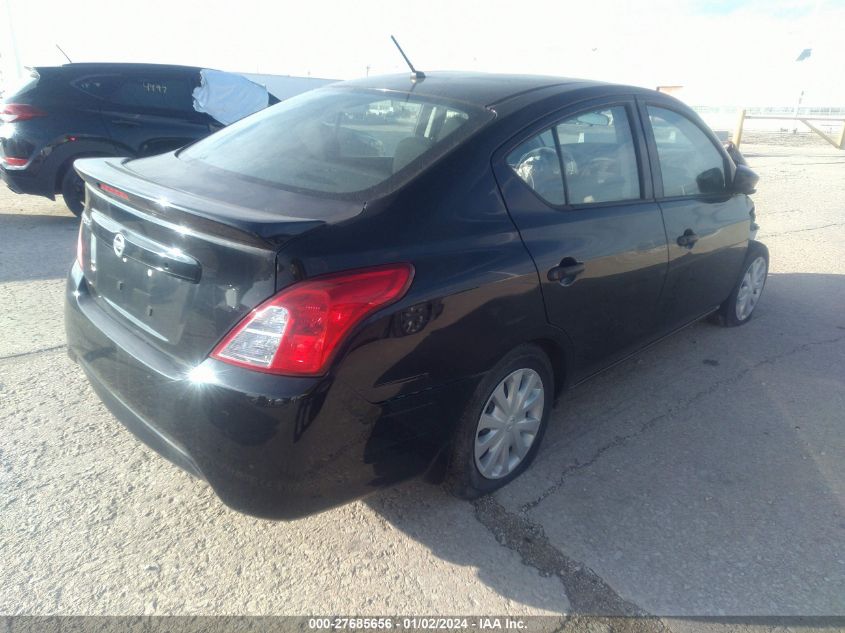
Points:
(811, 117)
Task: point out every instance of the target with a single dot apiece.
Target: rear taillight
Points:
(14, 112)
(114, 191)
(297, 331)
(14, 162)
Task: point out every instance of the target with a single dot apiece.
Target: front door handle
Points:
(567, 271)
(688, 239)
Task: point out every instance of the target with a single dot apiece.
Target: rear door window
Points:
(598, 154)
(154, 92)
(100, 86)
(690, 164)
(537, 163)
(586, 158)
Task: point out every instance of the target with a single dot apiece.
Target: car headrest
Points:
(408, 149)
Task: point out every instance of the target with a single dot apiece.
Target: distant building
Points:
(285, 86)
(670, 90)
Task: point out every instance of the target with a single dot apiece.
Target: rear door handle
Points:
(567, 271)
(688, 239)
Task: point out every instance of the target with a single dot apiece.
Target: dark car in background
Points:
(62, 113)
(314, 303)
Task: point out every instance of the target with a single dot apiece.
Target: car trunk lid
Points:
(181, 266)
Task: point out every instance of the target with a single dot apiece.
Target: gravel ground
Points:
(702, 477)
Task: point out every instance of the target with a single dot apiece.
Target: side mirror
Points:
(745, 180)
(711, 181)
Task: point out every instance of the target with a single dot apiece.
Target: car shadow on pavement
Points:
(702, 477)
(36, 246)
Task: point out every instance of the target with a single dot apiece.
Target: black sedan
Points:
(314, 303)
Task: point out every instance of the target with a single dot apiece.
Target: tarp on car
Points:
(228, 97)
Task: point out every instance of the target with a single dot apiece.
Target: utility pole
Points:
(805, 54)
(14, 43)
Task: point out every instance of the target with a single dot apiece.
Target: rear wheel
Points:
(738, 308)
(73, 191)
(501, 428)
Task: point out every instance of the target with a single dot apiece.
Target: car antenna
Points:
(65, 54)
(416, 75)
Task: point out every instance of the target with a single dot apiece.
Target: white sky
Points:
(723, 52)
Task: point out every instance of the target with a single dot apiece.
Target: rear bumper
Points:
(270, 446)
(23, 181)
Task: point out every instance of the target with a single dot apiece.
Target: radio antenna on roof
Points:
(416, 75)
(63, 53)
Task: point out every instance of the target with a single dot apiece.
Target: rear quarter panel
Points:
(475, 289)
(71, 128)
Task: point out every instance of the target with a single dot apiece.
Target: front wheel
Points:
(501, 428)
(73, 191)
(739, 306)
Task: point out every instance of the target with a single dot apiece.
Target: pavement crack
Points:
(33, 352)
(586, 591)
(811, 228)
(620, 440)
(578, 623)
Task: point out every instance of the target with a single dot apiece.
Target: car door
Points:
(707, 225)
(578, 189)
(152, 112)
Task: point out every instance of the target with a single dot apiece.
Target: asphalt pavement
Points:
(702, 477)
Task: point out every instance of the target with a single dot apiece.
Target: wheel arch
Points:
(756, 244)
(84, 149)
(557, 355)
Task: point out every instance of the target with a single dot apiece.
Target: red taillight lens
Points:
(114, 191)
(13, 112)
(14, 162)
(298, 331)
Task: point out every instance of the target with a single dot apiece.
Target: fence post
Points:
(740, 120)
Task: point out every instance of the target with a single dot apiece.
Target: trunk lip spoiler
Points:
(204, 216)
(139, 211)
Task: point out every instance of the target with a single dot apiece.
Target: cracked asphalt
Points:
(703, 477)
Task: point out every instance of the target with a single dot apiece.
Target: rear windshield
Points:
(338, 141)
(17, 87)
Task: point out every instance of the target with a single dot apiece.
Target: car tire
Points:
(472, 471)
(739, 307)
(73, 191)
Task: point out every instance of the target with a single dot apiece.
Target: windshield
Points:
(17, 87)
(339, 142)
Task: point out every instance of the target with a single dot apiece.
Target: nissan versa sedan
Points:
(314, 302)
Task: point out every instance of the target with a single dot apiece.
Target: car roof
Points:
(480, 89)
(115, 67)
